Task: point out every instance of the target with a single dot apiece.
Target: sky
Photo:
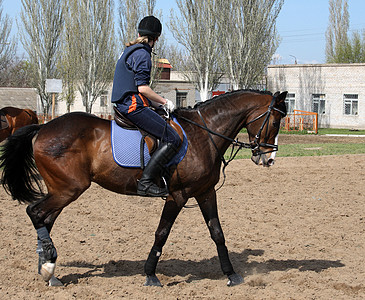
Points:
(301, 26)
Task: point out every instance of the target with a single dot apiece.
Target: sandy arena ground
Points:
(294, 231)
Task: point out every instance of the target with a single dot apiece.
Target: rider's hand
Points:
(169, 105)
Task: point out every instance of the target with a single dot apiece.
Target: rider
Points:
(133, 97)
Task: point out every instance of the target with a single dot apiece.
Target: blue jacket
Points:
(132, 70)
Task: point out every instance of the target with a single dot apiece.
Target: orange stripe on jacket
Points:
(144, 99)
(133, 106)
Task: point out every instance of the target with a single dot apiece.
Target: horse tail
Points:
(20, 177)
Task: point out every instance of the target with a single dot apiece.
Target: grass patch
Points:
(322, 131)
(293, 150)
(340, 131)
(292, 132)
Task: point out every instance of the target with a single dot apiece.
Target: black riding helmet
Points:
(150, 26)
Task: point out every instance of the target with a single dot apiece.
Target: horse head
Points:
(263, 126)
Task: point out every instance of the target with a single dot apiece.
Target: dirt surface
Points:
(294, 231)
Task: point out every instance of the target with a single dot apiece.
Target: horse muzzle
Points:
(264, 154)
(265, 159)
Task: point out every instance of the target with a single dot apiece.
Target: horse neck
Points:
(228, 115)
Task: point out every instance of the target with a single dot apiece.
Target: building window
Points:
(290, 103)
(181, 99)
(319, 103)
(350, 104)
(104, 99)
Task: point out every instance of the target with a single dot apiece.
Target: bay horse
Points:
(75, 149)
(15, 118)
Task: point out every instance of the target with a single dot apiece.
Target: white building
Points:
(335, 91)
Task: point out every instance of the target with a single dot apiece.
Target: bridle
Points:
(255, 146)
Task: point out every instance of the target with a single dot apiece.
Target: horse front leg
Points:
(208, 206)
(169, 214)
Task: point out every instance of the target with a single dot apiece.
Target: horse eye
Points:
(276, 124)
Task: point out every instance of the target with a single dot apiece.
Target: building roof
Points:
(164, 63)
(18, 97)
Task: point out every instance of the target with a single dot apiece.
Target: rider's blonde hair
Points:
(140, 40)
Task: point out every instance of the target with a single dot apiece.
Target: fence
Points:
(301, 120)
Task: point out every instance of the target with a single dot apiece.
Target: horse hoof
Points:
(234, 279)
(47, 271)
(152, 281)
(54, 282)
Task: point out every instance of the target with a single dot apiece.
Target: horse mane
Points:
(219, 98)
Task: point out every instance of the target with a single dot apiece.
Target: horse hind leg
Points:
(47, 256)
(43, 214)
(47, 253)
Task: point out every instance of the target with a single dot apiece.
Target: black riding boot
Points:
(154, 168)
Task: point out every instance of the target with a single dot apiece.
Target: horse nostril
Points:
(270, 161)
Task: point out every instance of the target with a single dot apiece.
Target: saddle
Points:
(151, 141)
(3, 121)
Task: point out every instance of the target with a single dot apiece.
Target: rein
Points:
(236, 144)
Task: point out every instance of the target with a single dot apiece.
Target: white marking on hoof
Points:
(54, 282)
(47, 271)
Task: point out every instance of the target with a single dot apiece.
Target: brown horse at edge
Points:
(74, 150)
(15, 118)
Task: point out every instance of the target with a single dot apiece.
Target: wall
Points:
(19, 97)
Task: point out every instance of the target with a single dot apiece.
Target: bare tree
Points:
(150, 7)
(17, 73)
(41, 35)
(197, 30)
(337, 43)
(130, 13)
(7, 46)
(68, 62)
(178, 58)
(248, 38)
(93, 43)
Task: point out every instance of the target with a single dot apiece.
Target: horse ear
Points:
(280, 96)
